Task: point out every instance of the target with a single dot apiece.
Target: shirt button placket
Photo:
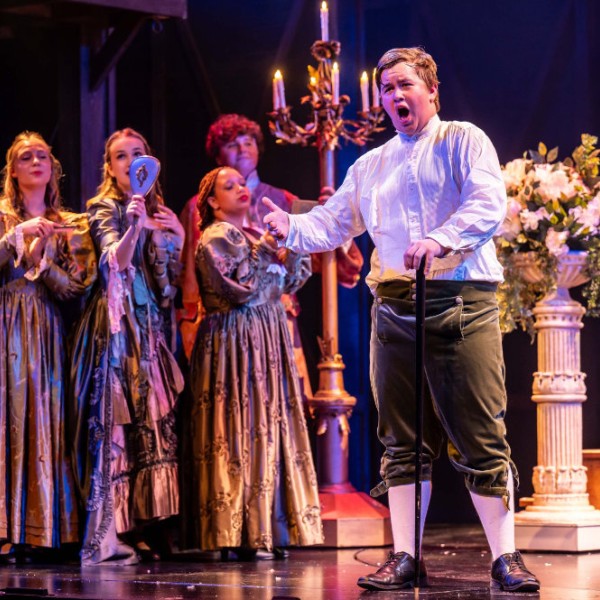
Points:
(414, 222)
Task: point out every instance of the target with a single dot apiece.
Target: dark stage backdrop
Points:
(523, 71)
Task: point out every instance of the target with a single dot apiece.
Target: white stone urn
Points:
(571, 272)
(560, 498)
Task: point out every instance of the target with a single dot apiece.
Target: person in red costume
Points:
(235, 141)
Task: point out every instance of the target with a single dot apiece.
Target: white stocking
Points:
(402, 514)
(498, 522)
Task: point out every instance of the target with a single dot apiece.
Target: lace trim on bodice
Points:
(117, 290)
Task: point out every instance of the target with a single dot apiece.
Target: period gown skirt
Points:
(38, 503)
(124, 386)
(252, 481)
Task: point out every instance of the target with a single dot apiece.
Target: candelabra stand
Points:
(350, 518)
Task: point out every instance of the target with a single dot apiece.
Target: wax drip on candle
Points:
(324, 22)
(278, 91)
(375, 89)
(276, 103)
(364, 91)
(335, 84)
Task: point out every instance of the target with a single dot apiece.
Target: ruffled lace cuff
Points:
(19, 245)
(38, 270)
(278, 269)
(117, 292)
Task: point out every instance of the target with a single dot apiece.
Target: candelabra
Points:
(350, 518)
(327, 125)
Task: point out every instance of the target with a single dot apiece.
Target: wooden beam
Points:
(198, 68)
(155, 8)
(112, 50)
(23, 8)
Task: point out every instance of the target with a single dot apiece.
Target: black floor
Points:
(457, 560)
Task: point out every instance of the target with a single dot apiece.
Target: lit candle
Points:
(276, 103)
(364, 91)
(375, 90)
(324, 22)
(335, 84)
(313, 87)
(278, 91)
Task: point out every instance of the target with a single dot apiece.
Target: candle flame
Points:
(324, 5)
(364, 76)
(278, 75)
(313, 81)
(335, 67)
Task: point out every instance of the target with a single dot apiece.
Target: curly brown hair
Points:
(207, 189)
(12, 196)
(418, 59)
(226, 128)
(108, 188)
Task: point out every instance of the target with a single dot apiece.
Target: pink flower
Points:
(588, 217)
(511, 226)
(531, 219)
(513, 208)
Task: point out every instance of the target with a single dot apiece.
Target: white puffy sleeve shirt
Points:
(443, 183)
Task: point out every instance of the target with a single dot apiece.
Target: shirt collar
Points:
(431, 126)
(252, 180)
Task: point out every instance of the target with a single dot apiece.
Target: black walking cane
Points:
(419, 393)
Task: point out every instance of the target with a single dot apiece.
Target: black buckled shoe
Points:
(398, 572)
(510, 574)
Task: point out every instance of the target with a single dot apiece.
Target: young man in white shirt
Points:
(433, 191)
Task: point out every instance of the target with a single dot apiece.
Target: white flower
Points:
(555, 242)
(554, 182)
(514, 172)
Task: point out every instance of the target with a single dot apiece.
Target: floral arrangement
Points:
(553, 207)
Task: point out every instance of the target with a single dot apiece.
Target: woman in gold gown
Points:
(46, 257)
(125, 380)
(253, 482)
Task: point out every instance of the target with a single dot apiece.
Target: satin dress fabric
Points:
(349, 262)
(125, 383)
(252, 482)
(38, 503)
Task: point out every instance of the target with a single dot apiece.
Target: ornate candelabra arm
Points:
(288, 131)
(327, 124)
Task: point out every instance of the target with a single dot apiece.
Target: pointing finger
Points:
(270, 204)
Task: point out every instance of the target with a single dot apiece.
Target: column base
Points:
(354, 519)
(558, 531)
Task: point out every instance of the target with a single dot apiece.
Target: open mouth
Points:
(403, 112)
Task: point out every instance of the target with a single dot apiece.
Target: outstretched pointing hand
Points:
(277, 221)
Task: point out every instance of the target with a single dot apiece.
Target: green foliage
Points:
(553, 207)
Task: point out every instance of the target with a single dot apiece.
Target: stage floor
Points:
(457, 560)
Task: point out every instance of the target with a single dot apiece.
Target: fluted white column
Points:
(560, 498)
